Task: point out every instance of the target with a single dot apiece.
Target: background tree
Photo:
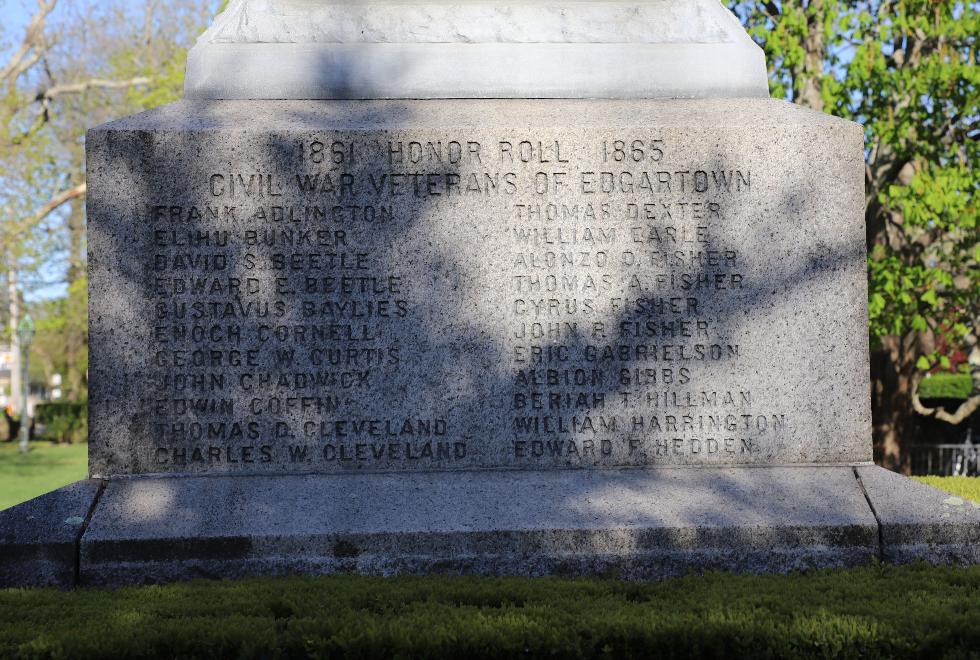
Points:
(78, 63)
(906, 70)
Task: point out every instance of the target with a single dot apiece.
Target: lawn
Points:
(967, 487)
(870, 612)
(46, 467)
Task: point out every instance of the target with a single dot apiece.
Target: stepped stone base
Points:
(39, 539)
(634, 523)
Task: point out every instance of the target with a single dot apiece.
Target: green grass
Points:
(873, 612)
(946, 386)
(966, 487)
(45, 468)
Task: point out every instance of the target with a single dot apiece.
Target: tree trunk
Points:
(74, 339)
(813, 60)
(76, 240)
(892, 371)
(13, 308)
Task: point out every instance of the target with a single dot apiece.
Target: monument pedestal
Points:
(472, 336)
(540, 323)
(638, 524)
(336, 286)
(377, 49)
(631, 523)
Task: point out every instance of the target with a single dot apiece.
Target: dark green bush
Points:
(61, 421)
(873, 612)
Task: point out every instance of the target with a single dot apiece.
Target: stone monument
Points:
(526, 288)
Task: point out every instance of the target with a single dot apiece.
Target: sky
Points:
(15, 14)
(14, 17)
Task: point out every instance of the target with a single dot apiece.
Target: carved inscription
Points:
(379, 302)
(621, 281)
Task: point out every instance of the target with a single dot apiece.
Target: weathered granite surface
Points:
(921, 522)
(638, 524)
(298, 49)
(39, 538)
(473, 21)
(633, 523)
(501, 337)
(346, 286)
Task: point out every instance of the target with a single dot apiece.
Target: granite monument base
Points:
(399, 286)
(477, 336)
(630, 523)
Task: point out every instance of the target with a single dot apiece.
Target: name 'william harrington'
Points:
(547, 424)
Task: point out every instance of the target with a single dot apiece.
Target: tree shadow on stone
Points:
(394, 300)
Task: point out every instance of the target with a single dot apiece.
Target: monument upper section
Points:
(472, 21)
(330, 49)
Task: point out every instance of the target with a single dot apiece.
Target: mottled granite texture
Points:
(638, 524)
(282, 287)
(39, 538)
(920, 522)
(294, 49)
(496, 337)
(633, 523)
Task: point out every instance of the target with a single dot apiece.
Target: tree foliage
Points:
(77, 63)
(906, 70)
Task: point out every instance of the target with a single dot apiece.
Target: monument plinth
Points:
(377, 49)
(622, 331)
(413, 285)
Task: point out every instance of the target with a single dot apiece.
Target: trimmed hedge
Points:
(946, 386)
(61, 421)
(873, 612)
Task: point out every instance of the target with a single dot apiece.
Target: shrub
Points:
(946, 386)
(914, 611)
(62, 421)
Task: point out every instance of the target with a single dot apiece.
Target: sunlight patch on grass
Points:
(965, 487)
(44, 468)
